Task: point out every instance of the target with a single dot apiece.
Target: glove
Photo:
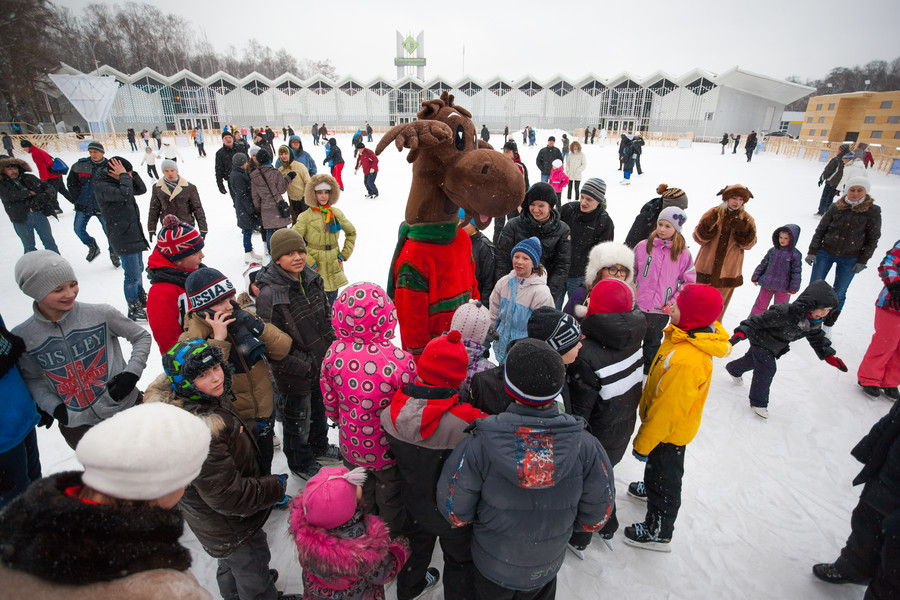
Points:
(244, 320)
(152, 235)
(810, 259)
(46, 419)
(821, 181)
(222, 189)
(203, 234)
(858, 268)
(837, 363)
(291, 175)
(739, 336)
(641, 457)
(121, 385)
(61, 414)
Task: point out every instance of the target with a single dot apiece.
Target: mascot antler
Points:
(415, 135)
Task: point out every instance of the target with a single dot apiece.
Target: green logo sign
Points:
(409, 44)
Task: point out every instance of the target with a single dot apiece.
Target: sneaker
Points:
(432, 576)
(636, 489)
(872, 391)
(283, 504)
(330, 452)
(136, 312)
(114, 259)
(639, 536)
(93, 252)
(762, 411)
(374, 196)
(577, 550)
(828, 573)
(892, 393)
(309, 471)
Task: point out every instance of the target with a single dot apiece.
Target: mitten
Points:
(46, 419)
(641, 457)
(121, 385)
(858, 267)
(203, 234)
(222, 189)
(61, 414)
(821, 181)
(282, 479)
(739, 336)
(810, 259)
(837, 363)
(291, 175)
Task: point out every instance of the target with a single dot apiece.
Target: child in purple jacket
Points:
(779, 272)
(360, 374)
(662, 266)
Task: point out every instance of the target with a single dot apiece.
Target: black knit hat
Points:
(263, 157)
(534, 373)
(205, 287)
(541, 191)
(510, 145)
(555, 327)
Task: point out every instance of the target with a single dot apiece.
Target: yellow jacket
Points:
(673, 398)
(297, 187)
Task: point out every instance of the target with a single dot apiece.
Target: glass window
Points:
(897, 135)
(876, 134)
(812, 132)
(894, 119)
(821, 119)
(818, 107)
(870, 119)
(824, 132)
(809, 119)
(831, 106)
(887, 104)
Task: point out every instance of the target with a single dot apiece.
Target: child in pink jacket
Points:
(361, 371)
(558, 178)
(662, 266)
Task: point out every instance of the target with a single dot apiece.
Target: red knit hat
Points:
(177, 240)
(611, 296)
(700, 305)
(444, 361)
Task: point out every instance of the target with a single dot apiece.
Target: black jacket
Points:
(644, 223)
(784, 323)
(17, 198)
(849, 231)
(224, 156)
(239, 187)
(545, 159)
(483, 253)
(556, 244)
(605, 381)
(750, 144)
(335, 157)
(120, 210)
(485, 134)
(879, 451)
(587, 230)
(80, 182)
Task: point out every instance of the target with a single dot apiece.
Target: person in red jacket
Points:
(177, 254)
(369, 163)
(43, 162)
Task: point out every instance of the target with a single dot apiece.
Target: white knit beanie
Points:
(40, 272)
(473, 321)
(859, 180)
(144, 452)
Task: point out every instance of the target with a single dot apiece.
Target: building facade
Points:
(870, 117)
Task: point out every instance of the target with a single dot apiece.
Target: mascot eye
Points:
(460, 138)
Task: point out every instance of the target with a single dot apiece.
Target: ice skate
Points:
(636, 489)
(639, 536)
(872, 391)
(93, 252)
(576, 550)
(891, 392)
(762, 411)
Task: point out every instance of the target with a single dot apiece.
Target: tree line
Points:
(882, 76)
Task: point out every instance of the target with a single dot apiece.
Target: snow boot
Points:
(829, 573)
(114, 259)
(142, 298)
(252, 256)
(637, 490)
(93, 252)
(639, 536)
(432, 576)
(762, 411)
(329, 452)
(872, 391)
(892, 393)
(136, 311)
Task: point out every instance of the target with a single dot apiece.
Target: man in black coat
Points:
(872, 552)
(545, 159)
(750, 145)
(247, 217)
(539, 218)
(485, 134)
(645, 222)
(590, 224)
(223, 158)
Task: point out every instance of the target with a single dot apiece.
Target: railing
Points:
(812, 150)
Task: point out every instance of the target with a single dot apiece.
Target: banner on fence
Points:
(823, 157)
(895, 167)
(684, 142)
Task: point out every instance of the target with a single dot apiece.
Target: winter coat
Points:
(71, 361)
(232, 498)
(170, 152)
(299, 155)
(16, 193)
(587, 230)
(43, 161)
(423, 425)
(52, 541)
(323, 131)
(750, 144)
(724, 141)
(657, 278)
(723, 235)
(485, 134)
(512, 302)
(266, 188)
(296, 188)
(524, 479)
(834, 170)
(606, 378)
(334, 156)
(183, 202)
(19, 413)
(167, 303)
(879, 451)
(250, 386)
(361, 372)
(224, 156)
(299, 308)
(324, 253)
(575, 164)
(242, 198)
(631, 152)
(545, 159)
(676, 389)
(477, 364)
(780, 267)
(848, 231)
(119, 208)
(889, 271)
(558, 179)
(784, 323)
(556, 246)
(644, 223)
(483, 254)
(351, 563)
(367, 160)
(80, 183)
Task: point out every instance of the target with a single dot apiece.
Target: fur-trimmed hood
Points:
(310, 194)
(841, 204)
(160, 390)
(24, 167)
(607, 254)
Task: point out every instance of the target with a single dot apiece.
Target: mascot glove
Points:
(810, 259)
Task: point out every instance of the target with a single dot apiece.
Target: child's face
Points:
(617, 271)
(292, 262)
(170, 174)
(190, 263)
(222, 306)
(570, 356)
(522, 264)
(735, 202)
(62, 298)
(664, 230)
(284, 156)
(784, 239)
(820, 313)
(147, 150)
(211, 381)
(323, 197)
(674, 314)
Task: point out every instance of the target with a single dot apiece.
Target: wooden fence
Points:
(812, 150)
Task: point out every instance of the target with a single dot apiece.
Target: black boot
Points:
(142, 297)
(93, 252)
(828, 572)
(114, 259)
(136, 311)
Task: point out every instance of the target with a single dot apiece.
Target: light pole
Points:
(100, 38)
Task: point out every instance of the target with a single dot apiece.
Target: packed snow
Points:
(763, 500)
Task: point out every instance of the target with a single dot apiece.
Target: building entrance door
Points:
(851, 136)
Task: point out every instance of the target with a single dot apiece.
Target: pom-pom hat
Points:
(329, 498)
(444, 361)
(177, 240)
(473, 321)
(611, 295)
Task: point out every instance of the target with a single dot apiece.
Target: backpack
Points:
(59, 167)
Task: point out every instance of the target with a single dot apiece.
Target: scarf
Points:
(330, 220)
(170, 184)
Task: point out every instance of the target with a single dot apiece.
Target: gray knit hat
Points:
(595, 188)
(169, 164)
(238, 159)
(96, 146)
(40, 272)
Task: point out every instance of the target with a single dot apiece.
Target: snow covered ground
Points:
(763, 500)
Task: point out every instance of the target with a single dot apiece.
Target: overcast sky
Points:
(545, 38)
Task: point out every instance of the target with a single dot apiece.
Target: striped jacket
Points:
(605, 380)
(889, 271)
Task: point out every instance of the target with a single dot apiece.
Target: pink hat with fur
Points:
(329, 498)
